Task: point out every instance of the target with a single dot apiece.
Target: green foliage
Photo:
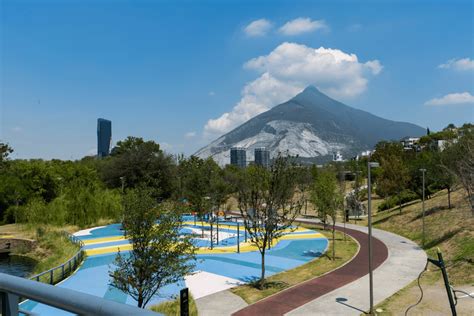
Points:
(160, 256)
(55, 192)
(139, 163)
(5, 150)
(203, 184)
(327, 198)
(404, 197)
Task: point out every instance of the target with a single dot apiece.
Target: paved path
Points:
(301, 294)
(221, 303)
(344, 291)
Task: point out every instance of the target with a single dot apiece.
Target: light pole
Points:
(122, 179)
(423, 171)
(369, 225)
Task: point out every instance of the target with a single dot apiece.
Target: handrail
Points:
(68, 266)
(12, 287)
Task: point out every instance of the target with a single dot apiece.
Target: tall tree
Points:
(459, 159)
(195, 174)
(268, 203)
(327, 198)
(137, 162)
(160, 256)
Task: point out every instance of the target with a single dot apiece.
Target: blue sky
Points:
(162, 70)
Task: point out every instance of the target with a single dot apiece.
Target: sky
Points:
(182, 73)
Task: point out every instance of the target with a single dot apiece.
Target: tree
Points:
(5, 150)
(268, 204)
(444, 178)
(393, 175)
(195, 174)
(159, 256)
(305, 180)
(328, 198)
(139, 162)
(459, 159)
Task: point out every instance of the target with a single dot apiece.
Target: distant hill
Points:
(312, 126)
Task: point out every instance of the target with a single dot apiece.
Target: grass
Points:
(172, 308)
(345, 250)
(52, 247)
(450, 230)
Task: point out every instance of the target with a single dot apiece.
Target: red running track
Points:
(296, 296)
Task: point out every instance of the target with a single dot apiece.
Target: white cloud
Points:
(212, 93)
(258, 28)
(287, 70)
(452, 99)
(190, 134)
(17, 129)
(458, 64)
(302, 25)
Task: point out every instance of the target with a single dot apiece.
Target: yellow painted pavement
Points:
(244, 247)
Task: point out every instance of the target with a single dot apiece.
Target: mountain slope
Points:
(311, 125)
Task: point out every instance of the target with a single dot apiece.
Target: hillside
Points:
(450, 230)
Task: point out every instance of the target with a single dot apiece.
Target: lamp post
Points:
(423, 171)
(369, 225)
(122, 179)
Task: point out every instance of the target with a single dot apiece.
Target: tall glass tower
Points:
(104, 137)
(262, 157)
(238, 157)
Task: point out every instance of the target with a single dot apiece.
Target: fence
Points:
(11, 288)
(59, 273)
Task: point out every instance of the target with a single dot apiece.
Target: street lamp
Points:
(423, 171)
(369, 224)
(122, 180)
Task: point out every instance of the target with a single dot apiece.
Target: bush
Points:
(404, 197)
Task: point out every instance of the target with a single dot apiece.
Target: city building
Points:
(410, 143)
(104, 137)
(262, 157)
(337, 156)
(238, 157)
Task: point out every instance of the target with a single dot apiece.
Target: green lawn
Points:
(345, 250)
(172, 308)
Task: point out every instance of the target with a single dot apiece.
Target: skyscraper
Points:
(238, 157)
(262, 157)
(104, 137)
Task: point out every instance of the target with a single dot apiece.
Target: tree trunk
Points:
(262, 276)
(449, 198)
(334, 241)
(140, 300)
(400, 203)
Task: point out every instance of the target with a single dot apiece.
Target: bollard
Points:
(217, 222)
(211, 238)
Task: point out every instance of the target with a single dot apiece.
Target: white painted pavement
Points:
(203, 283)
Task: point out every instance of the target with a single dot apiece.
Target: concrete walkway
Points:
(221, 303)
(401, 265)
(405, 261)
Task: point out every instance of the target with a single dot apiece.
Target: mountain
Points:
(310, 125)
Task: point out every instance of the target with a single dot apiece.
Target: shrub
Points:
(404, 197)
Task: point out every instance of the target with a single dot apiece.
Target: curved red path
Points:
(294, 297)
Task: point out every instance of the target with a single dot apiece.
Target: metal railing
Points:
(12, 287)
(59, 273)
